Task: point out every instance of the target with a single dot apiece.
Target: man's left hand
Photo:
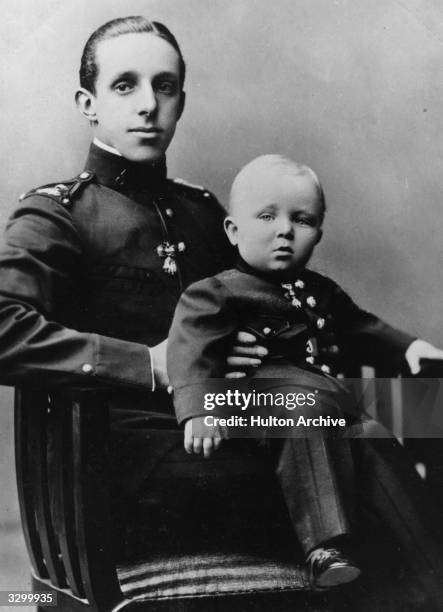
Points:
(418, 350)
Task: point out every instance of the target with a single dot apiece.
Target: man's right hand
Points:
(158, 354)
(245, 354)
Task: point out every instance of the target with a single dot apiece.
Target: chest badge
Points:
(168, 251)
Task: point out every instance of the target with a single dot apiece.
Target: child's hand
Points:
(199, 436)
(245, 353)
(419, 349)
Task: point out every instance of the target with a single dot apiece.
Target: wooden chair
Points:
(62, 462)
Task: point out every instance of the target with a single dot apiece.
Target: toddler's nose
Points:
(285, 228)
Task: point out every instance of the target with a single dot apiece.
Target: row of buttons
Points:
(320, 322)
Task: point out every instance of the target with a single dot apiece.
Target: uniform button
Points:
(334, 349)
(87, 368)
(181, 246)
(299, 284)
(207, 194)
(169, 212)
(267, 330)
(320, 323)
(65, 201)
(311, 301)
(326, 369)
(310, 360)
(120, 179)
(84, 175)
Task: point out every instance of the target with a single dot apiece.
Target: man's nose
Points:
(147, 100)
(285, 228)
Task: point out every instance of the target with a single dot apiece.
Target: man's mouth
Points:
(146, 131)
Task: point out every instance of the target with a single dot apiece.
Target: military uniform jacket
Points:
(309, 322)
(91, 270)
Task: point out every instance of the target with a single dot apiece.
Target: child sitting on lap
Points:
(311, 328)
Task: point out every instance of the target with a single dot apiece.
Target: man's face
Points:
(138, 99)
(277, 224)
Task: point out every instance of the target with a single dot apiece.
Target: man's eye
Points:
(266, 217)
(167, 87)
(123, 87)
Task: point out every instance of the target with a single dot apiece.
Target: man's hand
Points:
(418, 350)
(245, 354)
(199, 436)
(158, 354)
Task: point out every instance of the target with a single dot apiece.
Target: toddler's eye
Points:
(266, 217)
(305, 221)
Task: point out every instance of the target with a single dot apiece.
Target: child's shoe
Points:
(329, 567)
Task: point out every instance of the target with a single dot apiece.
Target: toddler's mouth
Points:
(284, 249)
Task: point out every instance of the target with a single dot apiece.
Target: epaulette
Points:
(63, 192)
(203, 191)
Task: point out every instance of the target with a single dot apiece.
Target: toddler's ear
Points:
(231, 230)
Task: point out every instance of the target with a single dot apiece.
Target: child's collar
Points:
(243, 266)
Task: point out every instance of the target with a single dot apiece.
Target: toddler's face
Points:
(277, 224)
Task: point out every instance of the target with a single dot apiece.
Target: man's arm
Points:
(39, 263)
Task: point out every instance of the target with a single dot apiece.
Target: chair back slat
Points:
(383, 395)
(61, 481)
(23, 461)
(39, 451)
(90, 429)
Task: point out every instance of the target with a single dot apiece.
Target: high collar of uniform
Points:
(121, 174)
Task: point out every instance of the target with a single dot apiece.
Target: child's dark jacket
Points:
(310, 323)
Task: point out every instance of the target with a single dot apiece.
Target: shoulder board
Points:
(61, 192)
(182, 183)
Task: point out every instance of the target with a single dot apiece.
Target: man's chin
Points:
(143, 155)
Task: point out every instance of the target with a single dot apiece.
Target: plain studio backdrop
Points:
(352, 88)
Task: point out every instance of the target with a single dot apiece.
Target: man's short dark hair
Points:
(119, 27)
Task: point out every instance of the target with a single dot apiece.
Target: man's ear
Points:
(85, 101)
(319, 235)
(231, 230)
(181, 107)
